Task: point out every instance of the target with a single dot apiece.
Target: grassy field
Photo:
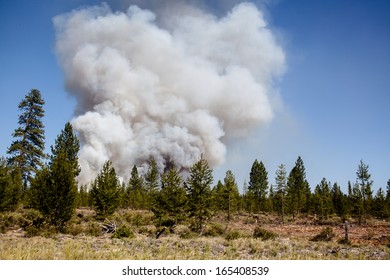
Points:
(83, 239)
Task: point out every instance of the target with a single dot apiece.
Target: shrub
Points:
(123, 232)
(94, 229)
(213, 230)
(325, 235)
(263, 234)
(32, 217)
(184, 232)
(232, 235)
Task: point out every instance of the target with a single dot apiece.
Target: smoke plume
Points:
(173, 87)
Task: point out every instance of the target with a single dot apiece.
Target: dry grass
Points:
(233, 240)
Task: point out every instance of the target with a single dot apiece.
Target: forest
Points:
(40, 196)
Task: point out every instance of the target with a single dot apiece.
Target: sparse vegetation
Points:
(326, 234)
(263, 234)
(222, 239)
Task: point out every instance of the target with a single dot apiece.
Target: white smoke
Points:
(174, 88)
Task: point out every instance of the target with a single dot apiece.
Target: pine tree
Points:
(135, 192)
(105, 191)
(379, 207)
(231, 195)
(218, 197)
(199, 193)
(27, 151)
(151, 182)
(10, 186)
(67, 141)
(84, 198)
(339, 201)
(281, 185)
(356, 201)
(363, 179)
(54, 190)
(298, 190)
(258, 183)
(271, 199)
(171, 201)
(323, 199)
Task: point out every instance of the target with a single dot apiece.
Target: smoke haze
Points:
(172, 86)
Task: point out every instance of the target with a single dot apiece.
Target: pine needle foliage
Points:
(27, 150)
(105, 191)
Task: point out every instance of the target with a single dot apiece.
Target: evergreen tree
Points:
(271, 199)
(323, 200)
(248, 199)
(231, 195)
(363, 179)
(258, 183)
(339, 201)
(281, 185)
(67, 141)
(218, 197)
(27, 151)
(356, 202)
(136, 193)
(298, 190)
(10, 186)
(199, 193)
(379, 207)
(105, 191)
(151, 182)
(171, 201)
(84, 198)
(54, 190)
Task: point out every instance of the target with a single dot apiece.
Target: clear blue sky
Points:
(336, 90)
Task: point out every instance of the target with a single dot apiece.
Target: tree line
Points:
(48, 183)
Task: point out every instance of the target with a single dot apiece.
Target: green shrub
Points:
(213, 230)
(94, 229)
(263, 234)
(232, 235)
(32, 217)
(123, 232)
(325, 235)
(31, 231)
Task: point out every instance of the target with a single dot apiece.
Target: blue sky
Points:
(335, 91)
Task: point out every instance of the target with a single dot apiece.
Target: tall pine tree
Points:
(258, 184)
(298, 190)
(151, 183)
(281, 185)
(364, 180)
(231, 196)
(136, 194)
(199, 193)
(171, 201)
(27, 151)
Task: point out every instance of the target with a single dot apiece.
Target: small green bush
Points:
(232, 235)
(94, 229)
(31, 231)
(123, 232)
(263, 234)
(213, 230)
(325, 235)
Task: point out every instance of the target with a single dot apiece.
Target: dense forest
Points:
(30, 178)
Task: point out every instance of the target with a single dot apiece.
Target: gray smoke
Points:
(172, 88)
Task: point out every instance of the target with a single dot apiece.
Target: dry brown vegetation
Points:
(246, 236)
